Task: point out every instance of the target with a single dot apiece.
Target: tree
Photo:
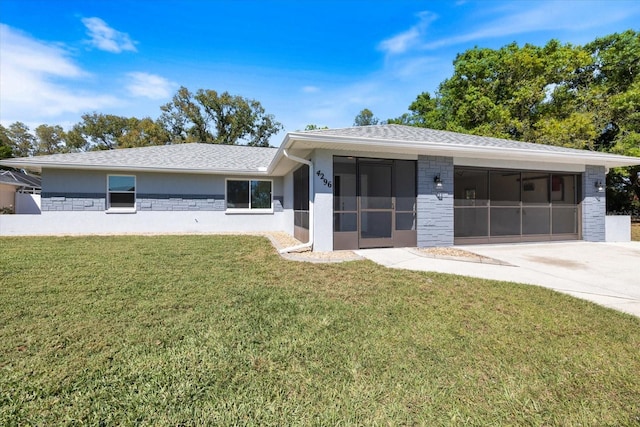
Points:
(584, 97)
(143, 133)
(425, 112)
(365, 118)
(107, 132)
(101, 131)
(50, 140)
(6, 149)
(314, 127)
(210, 117)
(21, 140)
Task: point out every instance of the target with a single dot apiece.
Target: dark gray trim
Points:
(180, 196)
(49, 194)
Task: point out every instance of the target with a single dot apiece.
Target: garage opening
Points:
(502, 206)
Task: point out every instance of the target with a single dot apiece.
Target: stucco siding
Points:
(92, 222)
(69, 190)
(323, 201)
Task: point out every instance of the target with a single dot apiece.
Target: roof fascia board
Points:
(286, 142)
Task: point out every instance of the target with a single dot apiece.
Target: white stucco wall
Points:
(81, 181)
(99, 222)
(617, 228)
(323, 201)
(92, 219)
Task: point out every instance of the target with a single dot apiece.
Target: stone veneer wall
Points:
(144, 202)
(72, 202)
(594, 208)
(435, 207)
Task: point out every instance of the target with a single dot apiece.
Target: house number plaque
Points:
(324, 180)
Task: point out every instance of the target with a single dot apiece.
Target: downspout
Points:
(310, 242)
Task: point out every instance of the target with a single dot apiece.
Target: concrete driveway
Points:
(605, 273)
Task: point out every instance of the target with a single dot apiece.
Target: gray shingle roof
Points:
(195, 157)
(239, 159)
(400, 133)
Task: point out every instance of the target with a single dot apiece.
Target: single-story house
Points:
(19, 192)
(359, 187)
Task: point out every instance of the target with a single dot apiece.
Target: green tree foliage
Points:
(107, 132)
(585, 97)
(210, 117)
(424, 112)
(100, 131)
(143, 133)
(203, 117)
(21, 140)
(365, 118)
(314, 127)
(50, 140)
(6, 147)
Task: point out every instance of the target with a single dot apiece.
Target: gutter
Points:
(309, 244)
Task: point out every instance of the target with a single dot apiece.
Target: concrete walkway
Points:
(605, 273)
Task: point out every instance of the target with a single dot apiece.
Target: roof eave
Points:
(449, 149)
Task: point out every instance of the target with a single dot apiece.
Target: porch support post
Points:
(323, 201)
(594, 204)
(434, 215)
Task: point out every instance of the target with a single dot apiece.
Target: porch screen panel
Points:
(301, 197)
(504, 193)
(536, 214)
(345, 202)
(376, 199)
(564, 199)
(511, 205)
(471, 202)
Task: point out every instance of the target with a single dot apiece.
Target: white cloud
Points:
(33, 56)
(408, 39)
(106, 38)
(310, 89)
(32, 78)
(149, 85)
(544, 16)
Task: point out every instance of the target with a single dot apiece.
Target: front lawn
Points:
(219, 330)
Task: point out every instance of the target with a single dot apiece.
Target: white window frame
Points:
(120, 209)
(248, 210)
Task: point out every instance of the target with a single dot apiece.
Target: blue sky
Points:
(307, 62)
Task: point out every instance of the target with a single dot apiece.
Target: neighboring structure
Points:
(360, 187)
(19, 193)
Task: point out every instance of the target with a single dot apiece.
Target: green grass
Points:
(219, 330)
(635, 231)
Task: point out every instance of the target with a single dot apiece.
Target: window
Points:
(251, 195)
(121, 192)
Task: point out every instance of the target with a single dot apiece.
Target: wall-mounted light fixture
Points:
(599, 186)
(438, 182)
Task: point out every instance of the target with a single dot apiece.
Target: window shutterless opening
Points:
(249, 195)
(121, 193)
